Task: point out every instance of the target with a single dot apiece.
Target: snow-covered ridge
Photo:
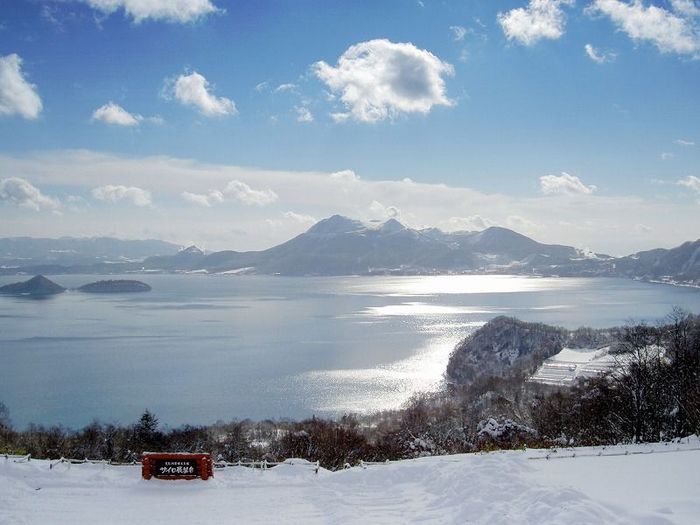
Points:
(650, 483)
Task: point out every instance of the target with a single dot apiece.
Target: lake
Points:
(201, 348)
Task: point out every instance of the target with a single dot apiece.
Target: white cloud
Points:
(601, 222)
(242, 192)
(340, 117)
(112, 113)
(378, 210)
(203, 199)
(521, 224)
(176, 11)
(130, 194)
(673, 31)
(598, 56)
(539, 20)
(682, 142)
(564, 184)
(236, 190)
(470, 223)
(195, 90)
(284, 88)
(458, 33)
(304, 114)
(667, 156)
(345, 175)
(22, 193)
(380, 79)
(687, 8)
(300, 218)
(17, 96)
(691, 182)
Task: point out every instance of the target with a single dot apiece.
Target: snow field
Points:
(624, 485)
(570, 364)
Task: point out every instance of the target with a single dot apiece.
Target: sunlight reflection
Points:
(415, 308)
(385, 387)
(462, 284)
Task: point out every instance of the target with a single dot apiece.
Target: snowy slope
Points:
(504, 487)
(573, 363)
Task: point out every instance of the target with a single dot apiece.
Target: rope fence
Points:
(219, 465)
(601, 453)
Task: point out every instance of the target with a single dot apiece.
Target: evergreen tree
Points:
(146, 434)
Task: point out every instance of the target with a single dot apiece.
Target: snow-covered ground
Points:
(572, 363)
(649, 484)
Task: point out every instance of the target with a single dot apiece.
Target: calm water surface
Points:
(201, 348)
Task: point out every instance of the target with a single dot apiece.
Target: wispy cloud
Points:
(285, 88)
(304, 114)
(174, 11)
(692, 183)
(599, 57)
(458, 33)
(671, 31)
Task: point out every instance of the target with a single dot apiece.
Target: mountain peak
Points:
(498, 232)
(392, 226)
(336, 224)
(193, 250)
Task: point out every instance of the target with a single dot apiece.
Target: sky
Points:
(238, 124)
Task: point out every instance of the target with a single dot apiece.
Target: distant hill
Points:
(342, 246)
(71, 251)
(506, 345)
(38, 285)
(680, 264)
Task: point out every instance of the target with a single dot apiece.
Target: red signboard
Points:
(176, 466)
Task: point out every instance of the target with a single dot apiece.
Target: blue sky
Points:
(571, 121)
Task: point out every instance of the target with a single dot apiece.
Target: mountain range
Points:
(342, 246)
(74, 251)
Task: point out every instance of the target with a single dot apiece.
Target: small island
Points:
(115, 286)
(36, 286)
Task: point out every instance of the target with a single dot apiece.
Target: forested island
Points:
(115, 286)
(41, 286)
(38, 285)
